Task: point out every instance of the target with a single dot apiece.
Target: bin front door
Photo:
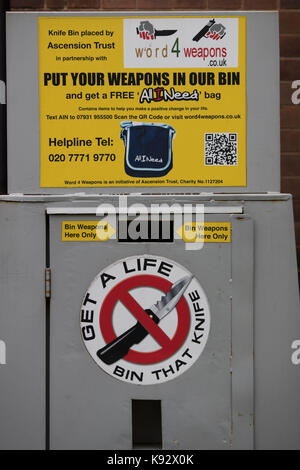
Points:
(206, 406)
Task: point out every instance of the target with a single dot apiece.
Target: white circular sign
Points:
(145, 319)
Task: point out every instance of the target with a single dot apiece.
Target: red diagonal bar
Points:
(133, 306)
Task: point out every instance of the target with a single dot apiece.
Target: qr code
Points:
(221, 149)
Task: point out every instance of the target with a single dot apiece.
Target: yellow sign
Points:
(208, 232)
(174, 88)
(86, 231)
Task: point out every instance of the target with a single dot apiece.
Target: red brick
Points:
(294, 4)
(55, 4)
(224, 5)
(82, 4)
(189, 4)
(286, 92)
(289, 46)
(289, 69)
(260, 5)
(290, 165)
(32, 4)
(289, 22)
(291, 185)
(290, 117)
(290, 141)
(154, 4)
(119, 4)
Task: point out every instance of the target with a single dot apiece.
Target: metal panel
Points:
(3, 132)
(22, 326)
(277, 325)
(263, 151)
(196, 407)
(81, 199)
(242, 333)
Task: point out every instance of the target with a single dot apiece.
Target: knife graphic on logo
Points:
(154, 33)
(120, 346)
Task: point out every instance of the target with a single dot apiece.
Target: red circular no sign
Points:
(121, 293)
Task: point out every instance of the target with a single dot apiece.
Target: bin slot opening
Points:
(146, 230)
(146, 424)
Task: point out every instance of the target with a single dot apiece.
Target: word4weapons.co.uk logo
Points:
(146, 30)
(145, 320)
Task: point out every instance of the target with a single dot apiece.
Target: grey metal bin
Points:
(242, 391)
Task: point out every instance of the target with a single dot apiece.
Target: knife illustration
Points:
(164, 32)
(120, 346)
(147, 34)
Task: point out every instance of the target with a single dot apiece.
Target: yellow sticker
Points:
(174, 86)
(86, 231)
(208, 232)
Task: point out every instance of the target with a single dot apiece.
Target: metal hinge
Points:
(48, 283)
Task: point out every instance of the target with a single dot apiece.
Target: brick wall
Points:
(290, 63)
